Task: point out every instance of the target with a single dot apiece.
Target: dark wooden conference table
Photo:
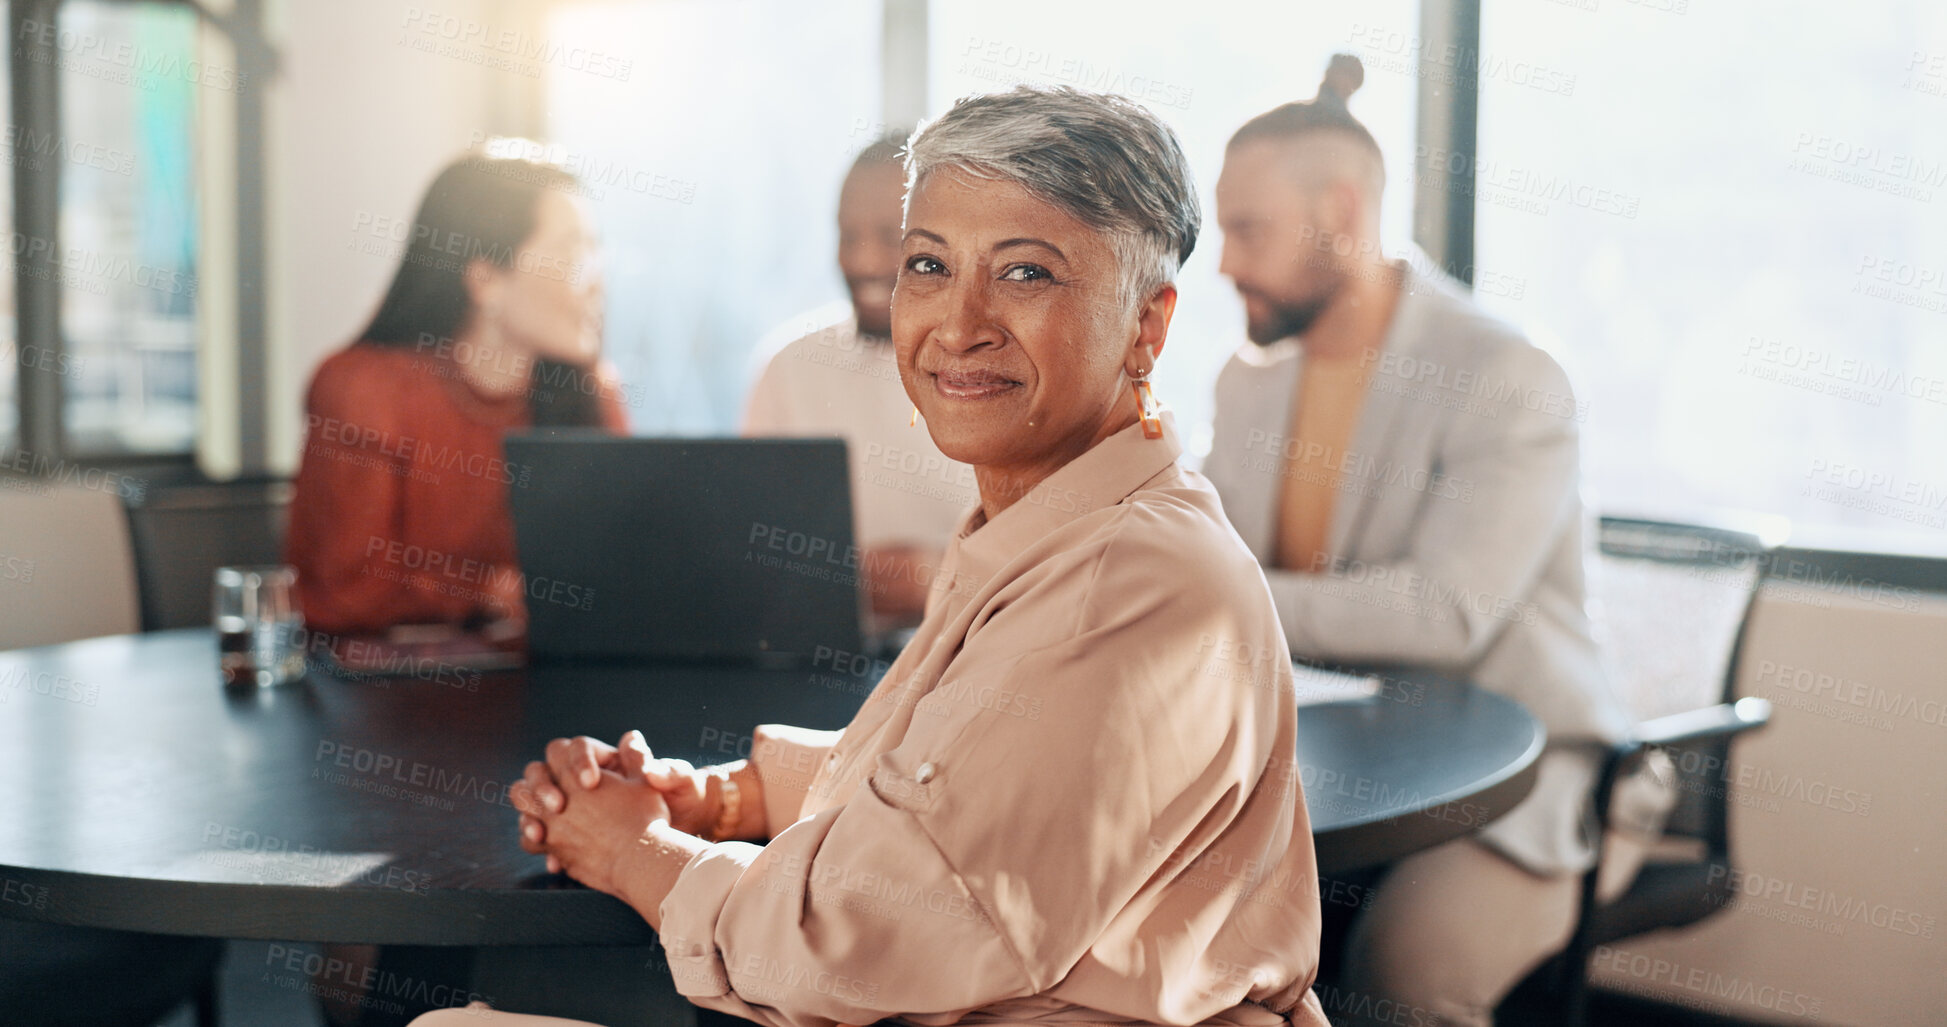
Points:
(141, 795)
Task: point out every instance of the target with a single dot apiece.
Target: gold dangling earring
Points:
(1152, 420)
(913, 421)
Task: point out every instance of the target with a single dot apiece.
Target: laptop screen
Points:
(688, 550)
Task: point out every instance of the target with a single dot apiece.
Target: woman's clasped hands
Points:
(589, 804)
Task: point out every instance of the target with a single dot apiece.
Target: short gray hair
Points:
(1103, 160)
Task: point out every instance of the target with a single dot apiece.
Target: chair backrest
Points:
(67, 570)
(182, 533)
(1670, 603)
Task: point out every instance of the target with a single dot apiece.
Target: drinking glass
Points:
(257, 625)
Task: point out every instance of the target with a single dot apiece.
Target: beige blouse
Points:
(1072, 799)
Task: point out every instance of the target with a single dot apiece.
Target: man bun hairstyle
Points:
(1326, 112)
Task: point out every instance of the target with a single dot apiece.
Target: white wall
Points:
(360, 121)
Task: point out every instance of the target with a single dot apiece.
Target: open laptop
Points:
(686, 550)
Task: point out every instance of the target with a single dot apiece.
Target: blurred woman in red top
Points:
(492, 325)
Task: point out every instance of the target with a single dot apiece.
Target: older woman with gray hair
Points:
(1074, 797)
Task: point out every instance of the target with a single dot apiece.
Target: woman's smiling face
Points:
(1012, 339)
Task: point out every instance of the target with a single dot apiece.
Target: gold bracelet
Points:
(730, 814)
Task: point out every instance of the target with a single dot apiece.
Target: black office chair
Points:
(1670, 595)
(182, 531)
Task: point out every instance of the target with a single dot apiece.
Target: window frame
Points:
(35, 107)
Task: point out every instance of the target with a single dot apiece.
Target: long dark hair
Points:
(480, 207)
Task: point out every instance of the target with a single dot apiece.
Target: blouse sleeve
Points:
(1067, 751)
(348, 493)
(786, 759)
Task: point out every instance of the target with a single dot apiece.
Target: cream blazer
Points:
(1457, 539)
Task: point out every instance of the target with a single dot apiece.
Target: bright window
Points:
(128, 226)
(1734, 233)
(713, 168)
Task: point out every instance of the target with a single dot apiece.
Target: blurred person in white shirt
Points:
(830, 372)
